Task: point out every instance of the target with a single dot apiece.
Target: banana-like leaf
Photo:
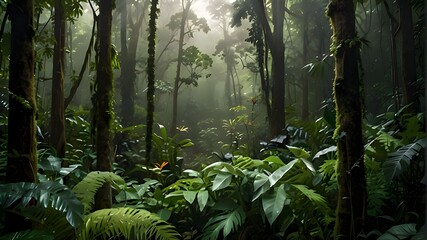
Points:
(128, 223)
(87, 188)
(227, 223)
(298, 152)
(273, 203)
(46, 195)
(398, 161)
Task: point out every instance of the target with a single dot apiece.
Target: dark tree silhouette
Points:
(351, 209)
(57, 111)
(22, 152)
(104, 101)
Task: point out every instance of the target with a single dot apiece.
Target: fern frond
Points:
(316, 199)
(87, 188)
(398, 161)
(227, 223)
(128, 223)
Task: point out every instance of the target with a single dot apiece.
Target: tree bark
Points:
(408, 55)
(151, 77)
(57, 111)
(104, 95)
(351, 207)
(185, 10)
(304, 77)
(277, 50)
(128, 75)
(22, 152)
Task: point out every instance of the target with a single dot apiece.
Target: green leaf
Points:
(86, 189)
(46, 194)
(128, 223)
(189, 196)
(274, 159)
(261, 185)
(317, 199)
(403, 231)
(222, 180)
(298, 152)
(279, 173)
(227, 222)
(202, 199)
(325, 151)
(398, 161)
(32, 234)
(273, 203)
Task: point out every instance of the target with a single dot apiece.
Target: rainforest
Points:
(212, 119)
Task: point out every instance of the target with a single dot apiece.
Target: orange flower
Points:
(161, 166)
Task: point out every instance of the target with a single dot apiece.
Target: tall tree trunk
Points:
(277, 50)
(351, 208)
(185, 10)
(57, 111)
(278, 70)
(304, 77)
(151, 76)
(128, 75)
(22, 153)
(408, 55)
(104, 101)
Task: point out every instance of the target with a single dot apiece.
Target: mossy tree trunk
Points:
(104, 101)
(22, 152)
(351, 208)
(151, 76)
(57, 110)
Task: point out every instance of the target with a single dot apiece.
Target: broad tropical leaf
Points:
(227, 223)
(87, 188)
(222, 180)
(46, 195)
(298, 152)
(403, 231)
(273, 203)
(398, 161)
(202, 199)
(263, 184)
(128, 223)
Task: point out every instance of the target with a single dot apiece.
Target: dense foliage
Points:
(218, 174)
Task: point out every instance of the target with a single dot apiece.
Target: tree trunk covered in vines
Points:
(57, 110)
(151, 76)
(104, 101)
(351, 207)
(22, 152)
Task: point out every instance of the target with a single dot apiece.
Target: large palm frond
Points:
(128, 223)
(54, 195)
(86, 189)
